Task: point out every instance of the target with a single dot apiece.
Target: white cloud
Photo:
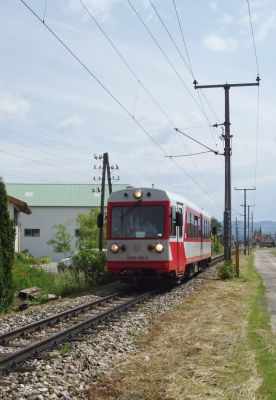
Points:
(217, 43)
(213, 6)
(13, 107)
(99, 8)
(226, 20)
(68, 123)
(265, 28)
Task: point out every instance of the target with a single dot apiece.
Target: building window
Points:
(32, 232)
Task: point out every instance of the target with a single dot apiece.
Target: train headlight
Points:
(159, 248)
(114, 248)
(138, 194)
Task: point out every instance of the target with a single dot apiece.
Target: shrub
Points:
(92, 263)
(7, 236)
(226, 270)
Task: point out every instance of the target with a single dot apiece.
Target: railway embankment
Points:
(216, 344)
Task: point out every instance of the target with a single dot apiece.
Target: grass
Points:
(25, 276)
(261, 339)
(216, 345)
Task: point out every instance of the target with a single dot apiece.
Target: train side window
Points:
(188, 224)
(173, 221)
(196, 227)
(180, 228)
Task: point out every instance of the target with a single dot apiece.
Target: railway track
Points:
(92, 314)
(79, 321)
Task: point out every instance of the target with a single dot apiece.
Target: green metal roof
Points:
(58, 195)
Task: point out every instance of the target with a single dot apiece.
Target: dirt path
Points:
(265, 264)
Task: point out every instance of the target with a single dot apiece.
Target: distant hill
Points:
(268, 227)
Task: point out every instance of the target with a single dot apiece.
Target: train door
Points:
(179, 237)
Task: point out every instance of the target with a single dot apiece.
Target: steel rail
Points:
(8, 336)
(32, 351)
(10, 361)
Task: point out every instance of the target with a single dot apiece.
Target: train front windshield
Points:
(137, 222)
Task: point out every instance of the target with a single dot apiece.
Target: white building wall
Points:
(45, 218)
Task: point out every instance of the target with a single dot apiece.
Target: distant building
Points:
(15, 207)
(52, 204)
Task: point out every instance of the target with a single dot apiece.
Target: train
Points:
(152, 233)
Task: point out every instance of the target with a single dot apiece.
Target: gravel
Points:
(66, 373)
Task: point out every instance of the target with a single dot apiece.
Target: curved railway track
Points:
(92, 314)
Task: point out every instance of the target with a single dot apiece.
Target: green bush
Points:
(25, 257)
(91, 263)
(25, 276)
(226, 270)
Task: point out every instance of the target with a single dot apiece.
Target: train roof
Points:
(153, 194)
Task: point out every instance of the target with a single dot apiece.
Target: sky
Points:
(117, 76)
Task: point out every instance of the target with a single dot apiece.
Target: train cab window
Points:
(137, 221)
(173, 221)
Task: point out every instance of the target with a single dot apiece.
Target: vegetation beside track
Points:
(61, 284)
(216, 345)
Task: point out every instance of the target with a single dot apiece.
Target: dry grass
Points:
(200, 351)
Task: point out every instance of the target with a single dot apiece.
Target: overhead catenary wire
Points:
(197, 141)
(200, 104)
(183, 39)
(165, 55)
(253, 38)
(191, 70)
(114, 98)
(258, 95)
(187, 155)
(45, 8)
(161, 109)
(139, 81)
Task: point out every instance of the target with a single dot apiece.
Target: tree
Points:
(61, 241)
(88, 233)
(88, 259)
(216, 226)
(7, 237)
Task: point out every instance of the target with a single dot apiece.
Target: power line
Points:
(257, 138)
(253, 39)
(42, 133)
(111, 95)
(41, 152)
(188, 155)
(196, 141)
(136, 77)
(172, 39)
(164, 54)
(184, 42)
(200, 106)
(126, 63)
(38, 161)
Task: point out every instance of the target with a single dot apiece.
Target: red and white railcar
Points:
(151, 232)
